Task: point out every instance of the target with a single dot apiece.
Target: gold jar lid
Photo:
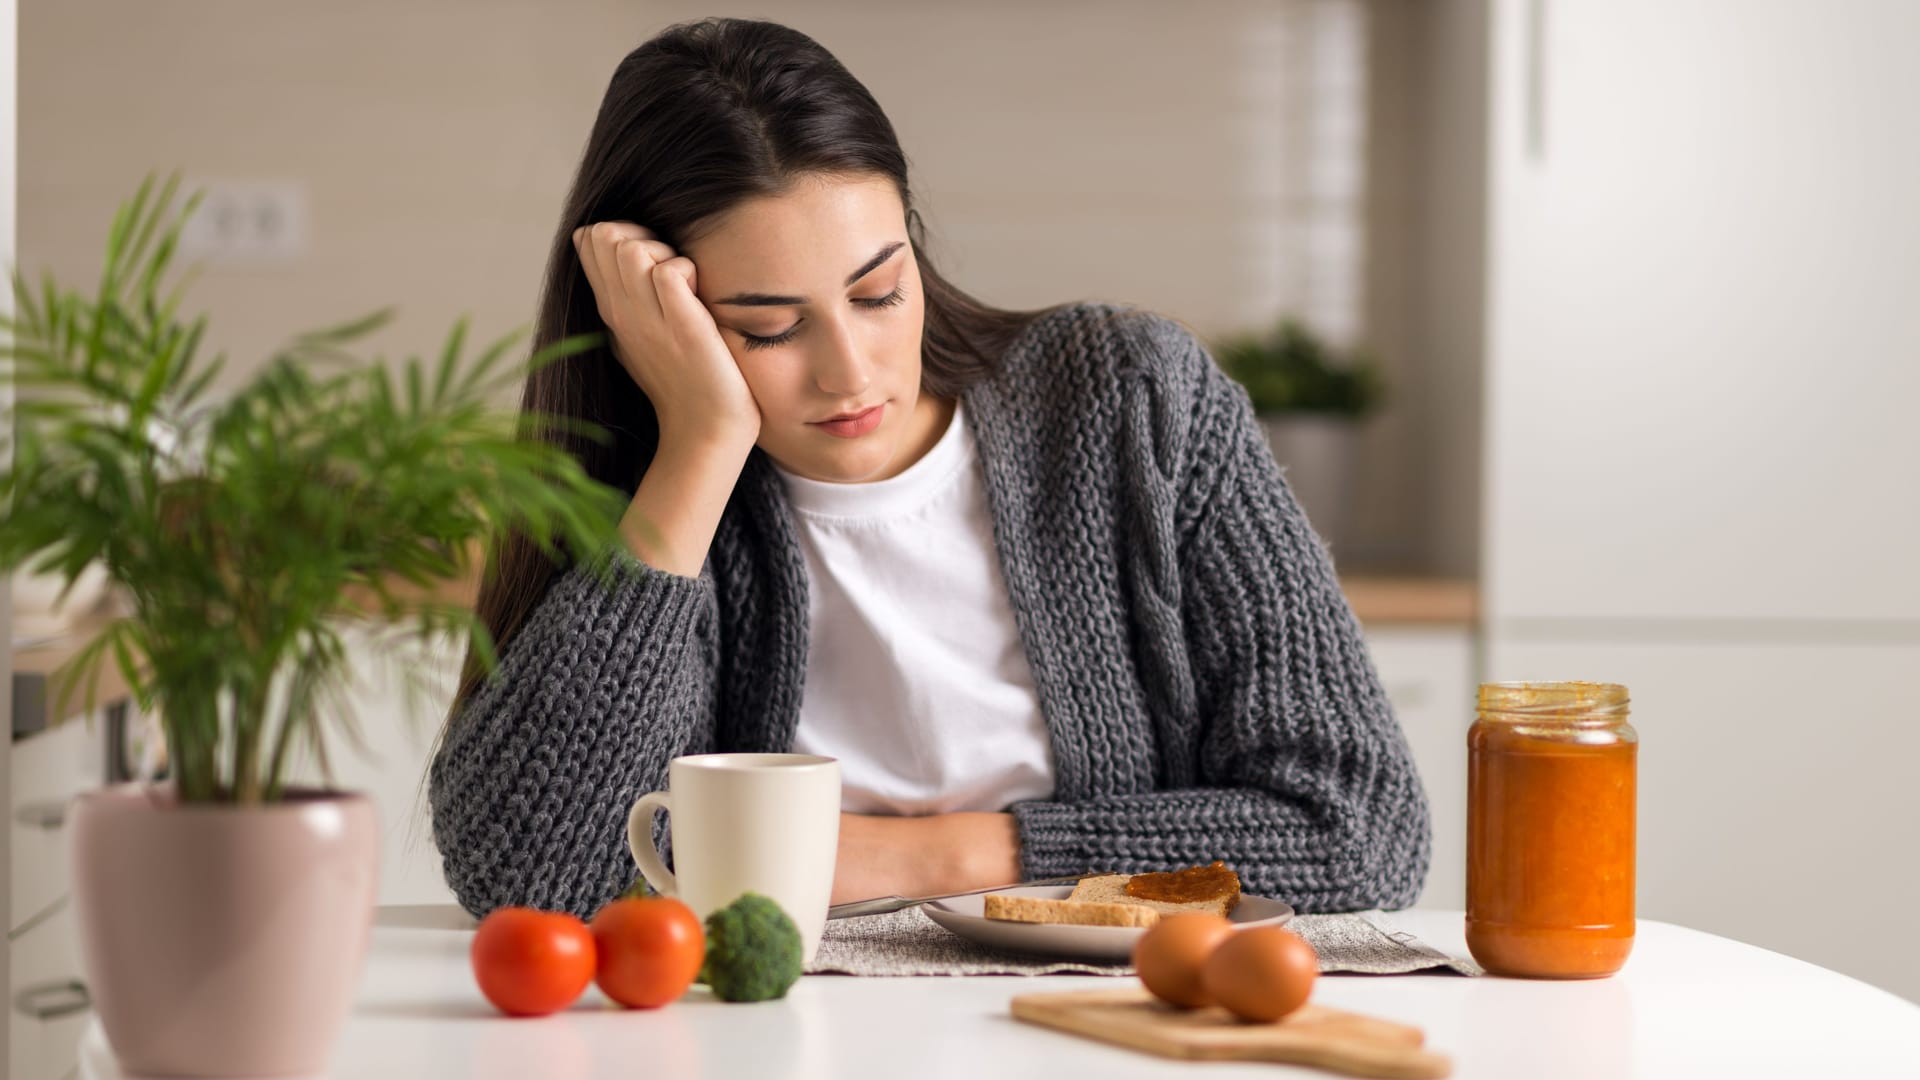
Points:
(1554, 700)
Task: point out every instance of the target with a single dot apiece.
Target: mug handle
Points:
(640, 841)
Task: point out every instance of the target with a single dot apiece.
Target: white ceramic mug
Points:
(765, 823)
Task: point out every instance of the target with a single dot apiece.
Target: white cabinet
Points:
(47, 998)
(47, 1003)
(1702, 473)
(1430, 677)
(1703, 335)
(47, 770)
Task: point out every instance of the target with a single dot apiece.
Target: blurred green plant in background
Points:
(1290, 370)
(327, 491)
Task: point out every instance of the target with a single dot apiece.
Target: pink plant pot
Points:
(219, 940)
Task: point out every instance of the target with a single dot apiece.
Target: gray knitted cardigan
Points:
(1204, 680)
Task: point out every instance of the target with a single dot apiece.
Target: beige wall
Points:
(1128, 151)
(434, 138)
(8, 54)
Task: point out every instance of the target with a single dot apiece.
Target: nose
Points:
(840, 367)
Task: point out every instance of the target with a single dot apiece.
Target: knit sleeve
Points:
(1306, 786)
(605, 683)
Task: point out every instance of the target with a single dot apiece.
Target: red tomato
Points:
(650, 949)
(531, 963)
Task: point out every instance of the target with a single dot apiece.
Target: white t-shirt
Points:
(916, 678)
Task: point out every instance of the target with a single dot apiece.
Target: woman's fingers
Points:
(636, 260)
(598, 245)
(673, 285)
(585, 243)
(604, 240)
(582, 248)
(618, 257)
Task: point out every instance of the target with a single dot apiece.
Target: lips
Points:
(854, 425)
(848, 415)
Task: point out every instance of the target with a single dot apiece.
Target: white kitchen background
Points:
(1642, 274)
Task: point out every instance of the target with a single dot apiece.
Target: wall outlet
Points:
(246, 222)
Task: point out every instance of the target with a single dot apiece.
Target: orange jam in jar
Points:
(1550, 829)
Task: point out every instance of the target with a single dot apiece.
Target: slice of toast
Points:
(1100, 901)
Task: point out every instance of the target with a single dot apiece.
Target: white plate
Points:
(966, 916)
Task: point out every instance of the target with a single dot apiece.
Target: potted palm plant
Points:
(223, 914)
(1311, 400)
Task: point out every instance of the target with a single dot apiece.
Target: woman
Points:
(1032, 576)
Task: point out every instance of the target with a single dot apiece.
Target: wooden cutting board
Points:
(1316, 1035)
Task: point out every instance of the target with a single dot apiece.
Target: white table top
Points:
(1688, 1004)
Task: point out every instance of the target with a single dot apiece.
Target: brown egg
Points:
(1173, 951)
(1261, 974)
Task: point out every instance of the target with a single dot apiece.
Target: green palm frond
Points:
(240, 527)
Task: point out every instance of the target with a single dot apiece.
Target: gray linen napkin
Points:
(908, 943)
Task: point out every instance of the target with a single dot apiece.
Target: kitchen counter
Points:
(1439, 601)
(1688, 1004)
(1375, 597)
(37, 687)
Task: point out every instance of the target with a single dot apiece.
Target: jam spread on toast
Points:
(1185, 886)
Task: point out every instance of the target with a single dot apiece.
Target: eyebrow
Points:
(769, 300)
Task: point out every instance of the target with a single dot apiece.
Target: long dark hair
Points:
(697, 120)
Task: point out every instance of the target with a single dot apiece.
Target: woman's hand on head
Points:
(663, 335)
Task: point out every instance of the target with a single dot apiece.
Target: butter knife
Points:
(880, 905)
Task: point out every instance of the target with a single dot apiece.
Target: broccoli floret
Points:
(753, 950)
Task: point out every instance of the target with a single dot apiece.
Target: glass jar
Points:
(1550, 829)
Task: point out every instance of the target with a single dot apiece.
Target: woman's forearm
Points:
(924, 856)
(1349, 844)
(981, 849)
(535, 757)
(670, 523)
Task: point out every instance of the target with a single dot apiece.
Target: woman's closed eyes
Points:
(897, 296)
